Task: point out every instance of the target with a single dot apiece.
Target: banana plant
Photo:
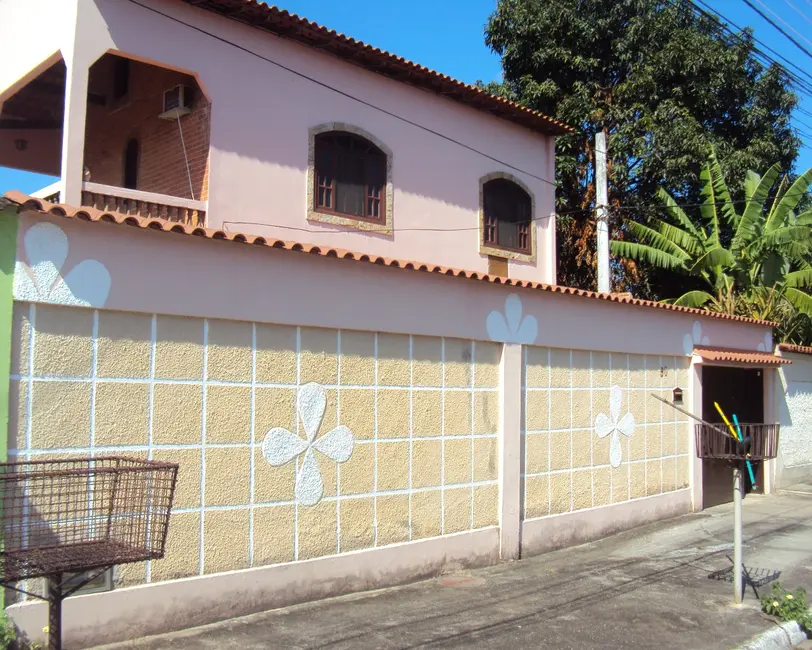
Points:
(755, 260)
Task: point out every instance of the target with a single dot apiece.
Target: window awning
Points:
(748, 357)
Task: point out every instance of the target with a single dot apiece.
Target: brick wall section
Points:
(161, 166)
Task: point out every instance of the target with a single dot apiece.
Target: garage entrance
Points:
(739, 391)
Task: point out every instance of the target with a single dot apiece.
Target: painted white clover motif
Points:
(510, 327)
(281, 446)
(610, 424)
(39, 278)
(694, 338)
(766, 344)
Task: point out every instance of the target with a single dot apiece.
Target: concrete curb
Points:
(785, 635)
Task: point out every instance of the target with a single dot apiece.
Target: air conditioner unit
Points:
(177, 102)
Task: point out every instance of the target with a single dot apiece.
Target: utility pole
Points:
(602, 211)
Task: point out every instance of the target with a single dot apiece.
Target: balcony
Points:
(138, 157)
(139, 204)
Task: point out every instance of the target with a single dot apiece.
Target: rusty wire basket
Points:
(759, 442)
(61, 516)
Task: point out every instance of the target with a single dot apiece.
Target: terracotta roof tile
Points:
(799, 349)
(740, 356)
(288, 25)
(23, 201)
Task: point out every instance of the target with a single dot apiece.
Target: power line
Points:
(769, 20)
(799, 12)
(344, 94)
(709, 11)
(784, 22)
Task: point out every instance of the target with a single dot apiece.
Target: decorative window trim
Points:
(496, 251)
(313, 214)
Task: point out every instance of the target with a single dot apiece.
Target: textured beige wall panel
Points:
(64, 342)
(273, 535)
(276, 354)
(179, 348)
(225, 540)
(229, 351)
(393, 518)
(124, 345)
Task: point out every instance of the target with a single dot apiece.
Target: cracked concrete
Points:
(646, 588)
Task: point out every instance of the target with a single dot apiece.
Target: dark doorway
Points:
(739, 391)
(131, 165)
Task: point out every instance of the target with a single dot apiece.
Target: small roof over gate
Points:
(727, 355)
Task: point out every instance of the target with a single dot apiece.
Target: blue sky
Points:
(447, 35)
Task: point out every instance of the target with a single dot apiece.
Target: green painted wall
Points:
(8, 255)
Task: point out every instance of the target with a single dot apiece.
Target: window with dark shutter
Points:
(350, 177)
(507, 214)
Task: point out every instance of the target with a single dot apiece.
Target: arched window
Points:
(506, 210)
(131, 165)
(350, 177)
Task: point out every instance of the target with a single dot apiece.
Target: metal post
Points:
(55, 612)
(738, 490)
(602, 211)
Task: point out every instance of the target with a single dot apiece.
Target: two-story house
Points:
(321, 280)
(239, 116)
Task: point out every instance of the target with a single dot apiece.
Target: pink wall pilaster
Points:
(510, 450)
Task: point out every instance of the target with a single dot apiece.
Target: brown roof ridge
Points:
(791, 347)
(26, 202)
(291, 26)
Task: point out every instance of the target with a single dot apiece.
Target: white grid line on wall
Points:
(375, 444)
(202, 556)
(442, 435)
(549, 433)
(411, 428)
(153, 344)
(572, 479)
(296, 461)
(591, 420)
(252, 461)
(338, 421)
(470, 437)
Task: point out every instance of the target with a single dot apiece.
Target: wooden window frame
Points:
(526, 232)
(333, 188)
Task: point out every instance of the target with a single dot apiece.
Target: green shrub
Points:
(788, 606)
(8, 633)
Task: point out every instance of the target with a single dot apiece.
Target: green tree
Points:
(664, 82)
(760, 269)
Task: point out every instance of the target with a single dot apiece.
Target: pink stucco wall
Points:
(261, 115)
(151, 272)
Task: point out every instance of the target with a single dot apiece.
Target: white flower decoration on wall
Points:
(510, 327)
(39, 278)
(766, 344)
(610, 424)
(281, 446)
(694, 338)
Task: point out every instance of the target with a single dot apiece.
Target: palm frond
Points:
(686, 241)
(802, 278)
(720, 190)
(679, 215)
(715, 257)
(694, 299)
(751, 181)
(657, 240)
(789, 201)
(804, 219)
(800, 300)
(708, 207)
(644, 253)
(754, 211)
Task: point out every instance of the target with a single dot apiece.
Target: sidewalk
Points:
(646, 588)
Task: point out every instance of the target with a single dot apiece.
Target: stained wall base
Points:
(163, 607)
(558, 531)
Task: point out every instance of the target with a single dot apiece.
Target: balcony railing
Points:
(134, 202)
(143, 204)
